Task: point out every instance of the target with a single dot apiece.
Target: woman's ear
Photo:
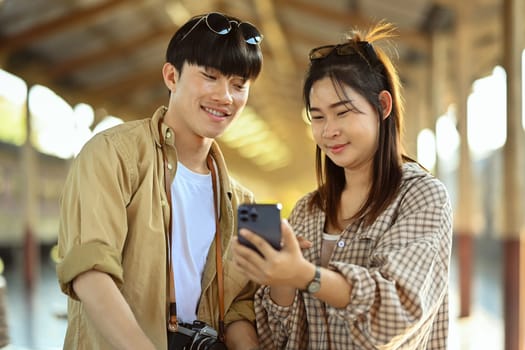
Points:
(170, 75)
(385, 99)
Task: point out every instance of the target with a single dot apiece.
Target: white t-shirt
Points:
(193, 230)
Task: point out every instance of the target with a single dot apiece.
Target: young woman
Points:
(370, 268)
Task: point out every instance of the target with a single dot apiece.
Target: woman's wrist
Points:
(306, 273)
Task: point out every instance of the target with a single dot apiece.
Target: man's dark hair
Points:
(229, 53)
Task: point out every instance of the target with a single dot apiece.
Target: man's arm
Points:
(241, 335)
(109, 311)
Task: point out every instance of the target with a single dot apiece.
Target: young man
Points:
(119, 236)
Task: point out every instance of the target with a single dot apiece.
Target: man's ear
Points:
(385, 99)
(170, 75)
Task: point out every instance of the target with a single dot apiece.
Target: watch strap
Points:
(315, 284)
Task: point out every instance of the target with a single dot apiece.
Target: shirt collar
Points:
(215, 150)
(155, 120)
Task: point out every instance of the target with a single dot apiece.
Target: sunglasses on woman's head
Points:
(346, 49)
(221, 25)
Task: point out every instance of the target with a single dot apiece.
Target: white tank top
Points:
(193, 230)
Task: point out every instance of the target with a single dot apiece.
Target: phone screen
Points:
(262, 219)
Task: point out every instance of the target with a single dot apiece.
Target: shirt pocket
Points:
(354, 250)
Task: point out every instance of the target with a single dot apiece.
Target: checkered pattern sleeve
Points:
(397, 295)
(276, 324)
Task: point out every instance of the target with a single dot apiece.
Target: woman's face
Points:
(344, 125)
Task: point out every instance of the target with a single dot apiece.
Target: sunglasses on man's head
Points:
(346, 49)
(221, 25)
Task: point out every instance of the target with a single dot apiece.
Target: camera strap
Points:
(173, 323)
(218, 243)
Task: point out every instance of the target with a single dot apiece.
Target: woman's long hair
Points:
(364, 67)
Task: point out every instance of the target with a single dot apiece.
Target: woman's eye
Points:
(343, 113)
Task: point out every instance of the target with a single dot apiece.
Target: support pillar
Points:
(30, 245)
(514, 264)
(466, 215)
(464, 246)
(513, 190)
(437, 82)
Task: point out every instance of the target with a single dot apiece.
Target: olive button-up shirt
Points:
(114, 219)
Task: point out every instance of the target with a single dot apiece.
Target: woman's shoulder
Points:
(303, 206)
(305, 200)
(418, 183)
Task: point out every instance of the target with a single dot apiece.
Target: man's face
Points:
(207, 101)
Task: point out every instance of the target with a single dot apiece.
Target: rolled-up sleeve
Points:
(406, 281)
(85, 257)
(278, 326)
(242, 307)
(93, 222)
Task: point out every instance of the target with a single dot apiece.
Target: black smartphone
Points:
(262, 219)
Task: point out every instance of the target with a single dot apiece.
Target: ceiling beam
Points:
(19, 40)
(413, 38)
(107, 53)
(278, 44)
(140, 79)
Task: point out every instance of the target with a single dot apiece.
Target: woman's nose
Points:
(331, 129)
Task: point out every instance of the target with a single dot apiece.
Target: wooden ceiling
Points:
(109, 53)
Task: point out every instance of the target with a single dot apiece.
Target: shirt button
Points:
(168, 134)
(341, 244)
(170, 166)
(163, 202)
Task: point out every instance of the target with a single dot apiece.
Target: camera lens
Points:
(253, 214)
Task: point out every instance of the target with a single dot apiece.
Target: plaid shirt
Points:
(398, 268)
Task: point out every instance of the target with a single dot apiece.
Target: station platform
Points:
(37, 320)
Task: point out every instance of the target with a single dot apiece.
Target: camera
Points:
(196, 336)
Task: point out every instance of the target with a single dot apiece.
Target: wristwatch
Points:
(315, 284)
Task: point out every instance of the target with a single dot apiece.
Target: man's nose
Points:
(223, 92)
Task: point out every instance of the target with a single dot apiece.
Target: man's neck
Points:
(192, 149)
(194, 160)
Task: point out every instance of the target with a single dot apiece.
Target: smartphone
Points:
(262, 219)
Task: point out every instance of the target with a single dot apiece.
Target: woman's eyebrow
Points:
(334, 105)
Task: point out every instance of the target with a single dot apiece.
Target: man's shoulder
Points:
(127, 128)
(128, 132)
(122, 140)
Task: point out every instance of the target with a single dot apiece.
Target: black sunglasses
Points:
(221, 25)
(346, 49)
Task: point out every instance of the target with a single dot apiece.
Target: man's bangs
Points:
(223, 55)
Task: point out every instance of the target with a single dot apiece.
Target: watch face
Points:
(314, 287)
